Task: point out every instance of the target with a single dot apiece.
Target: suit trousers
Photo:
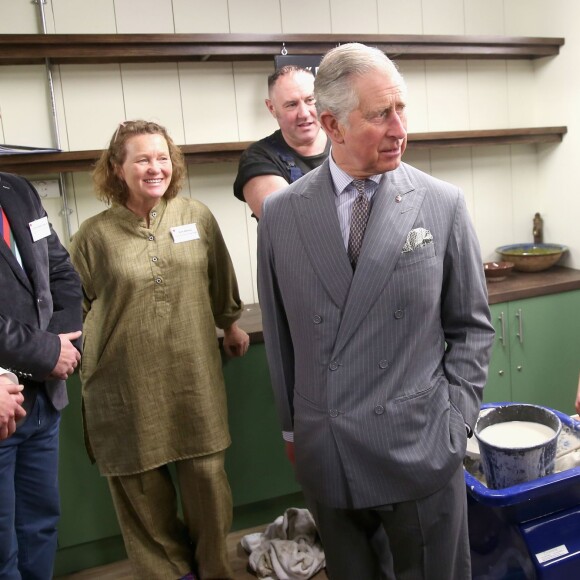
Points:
(159, 544)
(29, 504)
(424, 539)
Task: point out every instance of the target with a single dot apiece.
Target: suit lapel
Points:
(321, 236)
(21, 233)
(389, 223)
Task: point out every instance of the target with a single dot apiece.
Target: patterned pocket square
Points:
(416, 239)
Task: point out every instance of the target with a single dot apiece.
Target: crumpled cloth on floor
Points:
(289, 548)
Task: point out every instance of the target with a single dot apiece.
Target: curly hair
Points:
(109, 187)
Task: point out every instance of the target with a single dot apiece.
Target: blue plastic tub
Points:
(536, 498)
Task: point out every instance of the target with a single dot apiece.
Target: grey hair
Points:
(333, 89)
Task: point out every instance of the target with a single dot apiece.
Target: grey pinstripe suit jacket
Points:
(376, 372)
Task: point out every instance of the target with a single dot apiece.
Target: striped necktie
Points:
(7, 236)
(361, 210)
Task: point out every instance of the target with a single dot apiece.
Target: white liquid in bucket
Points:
(517, 434)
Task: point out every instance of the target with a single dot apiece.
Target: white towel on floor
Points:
(289, 548)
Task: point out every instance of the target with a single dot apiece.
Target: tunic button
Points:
(333, 365)
(333, 413)
(151, 238)
(399, 313)
(379, 410)
(317, 319)
(159, 280)
(154, 259)
(153, 214)
(384, 364)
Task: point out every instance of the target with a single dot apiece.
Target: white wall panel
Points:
(93, 97)
(484, 17)
(19, 17)
(447, 95)
(251, 81)
(454, 165)
(419, 158)
(209, 102)
(488, 94)
(396, 17)
(529, 17)
(305, 17)
(25, 106)
(82, 199)
(417, 109)
(152, 92)
(84, 16)
(144, 16)
(359, 18)
(255, 16)
(212, 185)
(525, 193)
(201, 16)
(521, 93)
(443, 17)
(492, 189)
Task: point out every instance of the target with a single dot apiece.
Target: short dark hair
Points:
(109, 186)
(285, 70)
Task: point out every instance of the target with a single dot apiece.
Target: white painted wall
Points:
(217, 102)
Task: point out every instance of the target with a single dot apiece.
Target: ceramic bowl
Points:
(497, 271)
(532, 257)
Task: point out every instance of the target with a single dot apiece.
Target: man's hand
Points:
(11, 399)
(69, 356)
(236, 341)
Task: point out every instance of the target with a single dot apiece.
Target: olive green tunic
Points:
(153, 389)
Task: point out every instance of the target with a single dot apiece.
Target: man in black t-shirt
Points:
(293, 150)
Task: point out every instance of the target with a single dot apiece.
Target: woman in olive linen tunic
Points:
(157, 279)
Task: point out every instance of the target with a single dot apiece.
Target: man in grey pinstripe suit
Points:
(377, 365)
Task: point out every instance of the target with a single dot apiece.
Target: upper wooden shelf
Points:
(66, 161)
(106, 48)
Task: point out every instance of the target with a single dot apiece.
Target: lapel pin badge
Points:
(398, 198)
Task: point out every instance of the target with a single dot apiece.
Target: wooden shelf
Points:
(107, 48)
(66, 161)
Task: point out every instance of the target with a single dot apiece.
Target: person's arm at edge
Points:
(11, 392)
(260, 187)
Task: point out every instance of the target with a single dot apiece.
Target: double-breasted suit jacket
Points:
(379, 371)
(38, 300)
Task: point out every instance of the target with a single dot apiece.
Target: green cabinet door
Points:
(498, 387)
(536, 354)
(545, 350)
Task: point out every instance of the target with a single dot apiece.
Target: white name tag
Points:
(39, 229)
(184, 233)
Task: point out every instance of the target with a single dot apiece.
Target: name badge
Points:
(184, 233)
(39, 229)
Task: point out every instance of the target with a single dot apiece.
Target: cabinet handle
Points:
(500, 373)
(520, 317)
(519, 367)
(501, 318)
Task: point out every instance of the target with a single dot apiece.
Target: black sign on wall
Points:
(308, 61)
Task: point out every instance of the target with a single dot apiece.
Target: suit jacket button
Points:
(399, 313)
(379, 410)
(333, 365)
(317, 319)
(384, 364)
(333, 413)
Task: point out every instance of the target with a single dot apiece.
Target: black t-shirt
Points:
(265, 157)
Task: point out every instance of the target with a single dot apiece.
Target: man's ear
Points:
(331, 126)
(270, 107)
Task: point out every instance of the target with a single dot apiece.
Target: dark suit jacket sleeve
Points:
(33, 349)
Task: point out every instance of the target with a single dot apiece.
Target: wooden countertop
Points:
(520, 285)
(516, 286)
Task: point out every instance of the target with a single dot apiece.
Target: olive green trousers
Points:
(159, 544)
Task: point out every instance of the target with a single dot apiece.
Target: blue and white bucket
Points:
(504, 466)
